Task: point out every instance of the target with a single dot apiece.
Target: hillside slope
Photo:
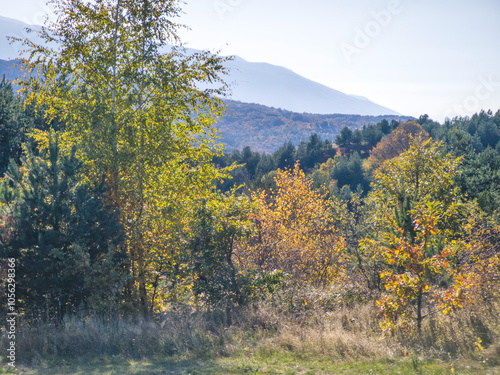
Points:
(279, 87)
(261, 127)
(250, 82)
(265, 129)
(17, 29)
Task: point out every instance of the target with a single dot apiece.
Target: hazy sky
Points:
(439, 57)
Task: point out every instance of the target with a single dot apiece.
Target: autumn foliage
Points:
(296, 231)
(420, 217)
(131, 208)
(396, 142)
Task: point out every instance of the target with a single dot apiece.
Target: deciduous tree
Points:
(136, 110)
(419, 216)
(220, 223)
(396, 142)
(296, 231)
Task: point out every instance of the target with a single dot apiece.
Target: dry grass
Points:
(90, 336)
(265, 331)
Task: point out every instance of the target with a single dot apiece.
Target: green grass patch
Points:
(279, 363)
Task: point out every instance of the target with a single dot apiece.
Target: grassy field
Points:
(279, 363)
(260, 340)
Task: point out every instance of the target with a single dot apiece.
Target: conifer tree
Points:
(62, 236)
(13, 126)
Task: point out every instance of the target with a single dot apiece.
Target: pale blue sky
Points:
(440, 57)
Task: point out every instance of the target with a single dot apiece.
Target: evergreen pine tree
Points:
(13, 126)
(62, 236)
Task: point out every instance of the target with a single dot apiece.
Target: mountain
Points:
(10, 68)
(279, 87)
(259, 83)
(269, 104)
(265, 129)
(17, 29)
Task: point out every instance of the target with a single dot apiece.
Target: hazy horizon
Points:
(414, 57)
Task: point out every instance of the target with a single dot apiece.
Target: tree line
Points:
(117, 197)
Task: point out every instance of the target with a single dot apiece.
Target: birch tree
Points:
(137, 114)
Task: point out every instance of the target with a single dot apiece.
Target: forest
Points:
(264, 128)
(127, 233)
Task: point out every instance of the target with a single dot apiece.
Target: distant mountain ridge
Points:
(250, 82)
(265, 129)
(11, 69)
(269, 104)
(279, 87)
(13, 28)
